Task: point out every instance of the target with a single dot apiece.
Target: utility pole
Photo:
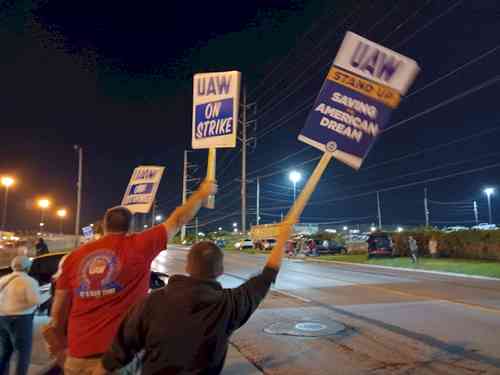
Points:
(196, 227)
(476, 213)
(379, 212)
(258, 200)
(244, 164)
(184, 191)
(153, 214)
(78, 194)
(185, 185)
(426, 208)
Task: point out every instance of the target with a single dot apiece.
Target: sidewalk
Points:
(236, 363)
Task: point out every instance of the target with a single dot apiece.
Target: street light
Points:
(61, 213)
(489, 192)
(159, 218)
(373, 229)
(220, 229)
(295, 177)
(345, 228)
(400, 229)
(235, 225)
(43, 203)
(7, 182)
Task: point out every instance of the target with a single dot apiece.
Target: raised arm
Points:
(184, 214)
(245, 299)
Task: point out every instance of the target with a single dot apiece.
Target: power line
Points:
(419, 30)
(428, 149)
(317, 46)
(444, 103)
(445, 165)
(275, 68)
(449, 74)
(395, 29)
(307, 148)
(397, 187)
(329, 63)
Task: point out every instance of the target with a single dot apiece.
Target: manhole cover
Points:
(305, 328)
(310, 327)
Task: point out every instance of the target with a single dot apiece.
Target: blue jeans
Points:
(16, 334)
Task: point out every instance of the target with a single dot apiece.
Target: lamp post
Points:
(489, 192)
(61, 213)
(43, 204)
(7, 182)
(295, 177)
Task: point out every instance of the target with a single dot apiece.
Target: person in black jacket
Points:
(185, 327)
(41, 247)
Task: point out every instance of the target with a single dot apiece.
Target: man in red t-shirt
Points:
(102, 279)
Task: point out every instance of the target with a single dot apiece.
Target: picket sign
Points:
(361, 89)
(215, 116)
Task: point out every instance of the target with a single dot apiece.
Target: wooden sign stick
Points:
(298, 206)
(212, 156)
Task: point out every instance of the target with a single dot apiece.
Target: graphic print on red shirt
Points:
(105, 278)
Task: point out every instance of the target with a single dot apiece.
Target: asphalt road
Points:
(363, 320)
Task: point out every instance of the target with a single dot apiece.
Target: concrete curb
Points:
(406, 269)
(238, 364)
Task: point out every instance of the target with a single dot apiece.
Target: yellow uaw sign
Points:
(384, 94)
(261, 232)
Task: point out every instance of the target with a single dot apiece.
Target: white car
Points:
(484, 226)
(245, 244)
(454, 229)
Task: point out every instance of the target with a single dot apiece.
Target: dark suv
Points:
(329, 247)
(379, 244)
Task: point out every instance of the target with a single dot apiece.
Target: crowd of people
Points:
(102, 318)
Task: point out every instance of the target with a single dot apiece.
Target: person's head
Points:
(117, 220)
(205, 261)
(20, 263)
(40, 240)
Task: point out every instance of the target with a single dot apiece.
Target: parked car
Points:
(221, 243)
(484, 226)
(45, 266)
(454, 229)
(379, 244)
(245, 244)
(269, 243)
(329, 247)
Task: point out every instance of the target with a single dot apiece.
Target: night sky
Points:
(117, 79)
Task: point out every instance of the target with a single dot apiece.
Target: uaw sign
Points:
(354, 105)
(142, 188)
(215, 109)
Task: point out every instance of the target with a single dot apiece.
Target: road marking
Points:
(291, 295)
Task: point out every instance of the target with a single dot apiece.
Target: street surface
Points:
(367, 320)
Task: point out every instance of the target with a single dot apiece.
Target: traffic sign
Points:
(142, 188)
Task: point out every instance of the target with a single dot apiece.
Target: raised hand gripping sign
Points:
(216, 98)
(362, 88)
(142, 188)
